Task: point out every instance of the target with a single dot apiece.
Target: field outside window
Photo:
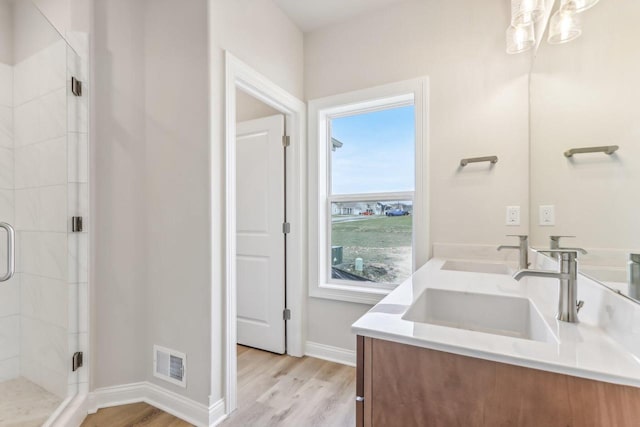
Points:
(371, 237)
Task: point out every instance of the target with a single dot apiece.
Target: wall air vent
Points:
(170, 365)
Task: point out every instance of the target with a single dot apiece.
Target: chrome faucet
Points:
(568, 305)
(523, 248)
(634, 276)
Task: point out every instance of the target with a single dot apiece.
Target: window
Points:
(371, 195)
(367, 180)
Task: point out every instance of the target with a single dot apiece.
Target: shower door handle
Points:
(11, 251)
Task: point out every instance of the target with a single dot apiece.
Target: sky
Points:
(378, 152)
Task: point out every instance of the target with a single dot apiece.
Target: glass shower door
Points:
(39, 193)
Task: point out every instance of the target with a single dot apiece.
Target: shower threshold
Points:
(25, 404)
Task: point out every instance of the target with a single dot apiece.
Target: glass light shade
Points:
(520, 39)
(564, 27)
(578, 6)
(525, 12)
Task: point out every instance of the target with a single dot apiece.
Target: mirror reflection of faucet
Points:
(523, 248)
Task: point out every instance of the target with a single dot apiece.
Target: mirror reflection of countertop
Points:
(604, 346)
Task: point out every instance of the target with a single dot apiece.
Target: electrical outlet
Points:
(547, 215)
(513, 215)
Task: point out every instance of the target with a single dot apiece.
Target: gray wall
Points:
(178, 187)
(250, 108)
(27, 41)
(152, 227)
(119, 276)
(6, 32)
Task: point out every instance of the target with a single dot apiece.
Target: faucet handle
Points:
(554, 241)
(571, 251)
(520, 236)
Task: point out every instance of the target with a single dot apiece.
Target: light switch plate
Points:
(513, 215)
(547, 215)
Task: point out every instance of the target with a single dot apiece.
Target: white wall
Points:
(585, 93)
(258, 33)
(478, 106)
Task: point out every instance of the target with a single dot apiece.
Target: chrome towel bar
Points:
(606, 149)
(492, 159)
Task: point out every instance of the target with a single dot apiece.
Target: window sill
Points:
(349, 293)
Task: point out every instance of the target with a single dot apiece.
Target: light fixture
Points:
(525, 12)
(578, 6)
(520, 39)
(564, 27)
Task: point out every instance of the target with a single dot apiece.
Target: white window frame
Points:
(321, 111)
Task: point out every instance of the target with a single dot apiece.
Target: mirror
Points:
(586, 94)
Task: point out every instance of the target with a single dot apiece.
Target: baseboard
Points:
(330, 353)
(175, 404)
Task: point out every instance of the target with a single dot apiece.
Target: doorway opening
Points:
(261, 235)
(264, 219)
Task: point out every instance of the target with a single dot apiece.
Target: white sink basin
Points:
(493, 314)
(476, 267)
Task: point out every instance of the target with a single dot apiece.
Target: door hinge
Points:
(286, 140)
(286, 314)
(76, 86)
(76, 224)
(76, 361)
(286, 228)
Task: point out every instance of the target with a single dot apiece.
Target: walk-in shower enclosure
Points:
(43, 185)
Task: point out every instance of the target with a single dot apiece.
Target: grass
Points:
(379, 231)
(384, 244)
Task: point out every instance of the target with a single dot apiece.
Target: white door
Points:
(260, 261)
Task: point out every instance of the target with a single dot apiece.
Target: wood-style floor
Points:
(272, 391)
(136, 414)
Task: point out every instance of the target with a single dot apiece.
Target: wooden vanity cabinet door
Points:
(411, 386)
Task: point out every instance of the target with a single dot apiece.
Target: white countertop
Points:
(604, 346)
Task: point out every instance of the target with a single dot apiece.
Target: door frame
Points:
(239, 75)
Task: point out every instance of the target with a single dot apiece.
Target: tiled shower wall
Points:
(40, 134)
(9, 290)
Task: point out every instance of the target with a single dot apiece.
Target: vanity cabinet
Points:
(404, 385)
